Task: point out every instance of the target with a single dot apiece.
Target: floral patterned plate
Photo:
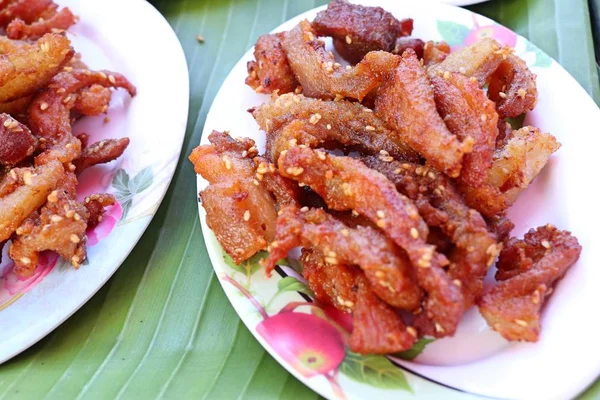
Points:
(155, 122)
(310, 342)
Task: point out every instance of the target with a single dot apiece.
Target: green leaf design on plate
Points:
(291, 284)
(417, 349)
(126, 188)
(374, 370)
(248, 267)
(453, 33)
(542, 60)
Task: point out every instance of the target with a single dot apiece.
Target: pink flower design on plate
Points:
(13, 286)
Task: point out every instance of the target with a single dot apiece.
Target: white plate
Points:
(463, 2)
(150, 55)
(476, 360)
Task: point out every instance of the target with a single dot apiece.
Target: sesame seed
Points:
(462, 70)
(310, 35)
(44, 106)
(447, 75)
(74, 238)
(473, 79)
(411, 331)
(535, 298)
(370, 128)
(295, 171)
(227, 162)
(19, 231)
(70, 214)
(379, 274)
(301, 184)
(381, 223)
(112, 79)
(414, 233)
(484, 117)
(439, 328)
(331, 260)
(329, 126)
(502, 95)
(200, 39)
(27, 178)
(7, 122)
(247, 215)
(53, 196)
(13, 174)
(77, 217)
(355, 213)
(262, 168)
(304, 209)
(329, 174)
(457, 283)
(345, 232)
(431, 175)
(380, 214)
(255, 182)
(26, 260)
(521, 322)
(521, 93)
(348, 39)
(66, 99)
(397, 171)
(314, 118)
(546, 244)
(244, 153)
(348, 67)
(56, 218)
(75, 259)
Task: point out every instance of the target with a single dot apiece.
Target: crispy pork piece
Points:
(468, 113)
(16, 141)
(101, 152)
(22, 199)
(30, 67)
(50, 21)
(59, 226)
(322, 77)
(434, 53)
(378, 329)
(529, 269)
(271, 70)
(479, 60)
(441, 206)
(96, 206)
(93, 100)
(239, 209)
(387, 268)
(286, 191)
(357, 30)
(403, 44)
(513, 88)
(406, 103)
(313, 122)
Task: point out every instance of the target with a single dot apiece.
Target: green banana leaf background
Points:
(162, 326)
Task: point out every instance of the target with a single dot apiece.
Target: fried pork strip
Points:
(347, 184)
(16, 141)
(531, 268)
(406, 103)
(286, 191)
(93, 100)
(101, 152)
(31, 66)
(239, 210)
(322, 77)
(479, 60)
(271, 71)
(378, 329)
(403, 44)
(441, 206)
(513, 88)
(357, 30)
(387, 268)
(468, 113)
(434, 53)
(59, 226)
(514, 167)
(26, 193)
(50, 21)
(313, 122)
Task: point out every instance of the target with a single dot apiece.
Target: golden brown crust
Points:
(56, 21)
(271, 71)
(468, 113)
(322, 77)
(406, 103)
(513, 88)
(30, 67)
(93, 100)
(530, 269)
(357, 30)
(315, 122)
(101, 152)
(16, 141)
